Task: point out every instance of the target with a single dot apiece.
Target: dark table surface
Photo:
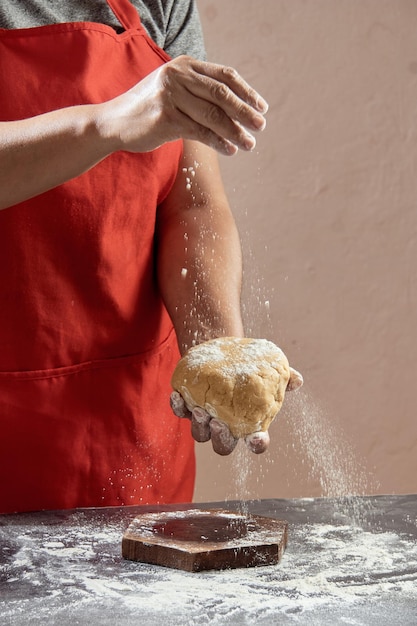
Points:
(348, 561)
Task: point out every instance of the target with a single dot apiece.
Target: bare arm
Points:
(200, 270)
(40, 153)
(184, 98)
(199, 256)
(199, 273)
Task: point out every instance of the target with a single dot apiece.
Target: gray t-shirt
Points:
(173, 24)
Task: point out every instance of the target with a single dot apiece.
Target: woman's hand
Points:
(184, 98)
(188, 99)
(204, 427)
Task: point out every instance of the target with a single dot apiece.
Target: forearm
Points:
(182, 99)
(199, 256)
(201, 286)
(42, 152)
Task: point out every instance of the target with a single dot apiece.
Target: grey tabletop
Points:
(348, 561)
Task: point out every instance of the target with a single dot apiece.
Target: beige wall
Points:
(326, 206)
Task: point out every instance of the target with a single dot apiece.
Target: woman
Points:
(118, 249)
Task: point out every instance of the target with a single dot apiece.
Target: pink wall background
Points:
(327, 210)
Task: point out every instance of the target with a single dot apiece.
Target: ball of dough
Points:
(239, 381)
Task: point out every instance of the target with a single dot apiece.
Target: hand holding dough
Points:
(240, 382)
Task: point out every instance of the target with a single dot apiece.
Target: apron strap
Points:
(125, 13)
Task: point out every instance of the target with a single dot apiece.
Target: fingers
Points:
(258, 442)
(204, 428)
(198, 131)
(296, 380)
(211, 125)
(218, 106)
(200, 419)
(200, 425)
(222, 439)
(231, 78)
(178, 405)
(232, 98)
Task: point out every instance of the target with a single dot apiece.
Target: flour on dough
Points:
(239, 381)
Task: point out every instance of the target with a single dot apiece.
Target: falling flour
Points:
(331, 457)
(189, 173)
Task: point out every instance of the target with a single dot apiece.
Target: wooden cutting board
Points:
(196, 540)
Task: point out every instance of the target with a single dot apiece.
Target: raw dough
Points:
(239, 381)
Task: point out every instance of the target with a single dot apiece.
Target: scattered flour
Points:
(189, 173)
(78, 568)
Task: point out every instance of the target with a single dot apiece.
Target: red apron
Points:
(86, 345)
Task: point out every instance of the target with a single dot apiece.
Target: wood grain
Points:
(197, 540)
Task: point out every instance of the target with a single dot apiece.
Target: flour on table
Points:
(324, 565)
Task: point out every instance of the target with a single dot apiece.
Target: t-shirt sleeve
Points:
(183, 30)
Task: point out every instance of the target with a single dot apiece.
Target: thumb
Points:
(296, 380)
